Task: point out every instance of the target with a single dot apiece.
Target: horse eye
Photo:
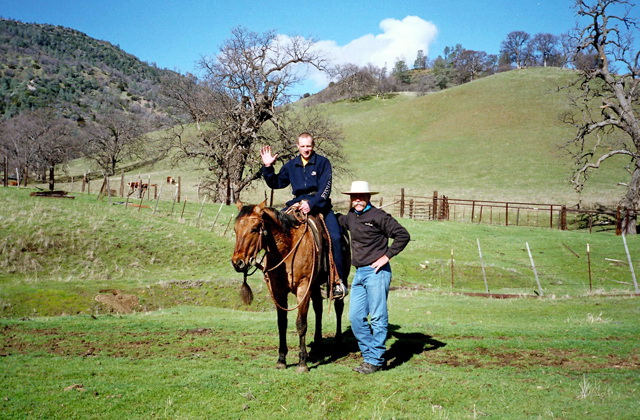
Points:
(256, 229)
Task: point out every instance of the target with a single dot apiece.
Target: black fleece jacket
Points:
(370, 234)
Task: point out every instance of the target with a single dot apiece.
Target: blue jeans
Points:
(369, 293)
(333, 227)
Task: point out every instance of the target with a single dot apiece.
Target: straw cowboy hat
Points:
(360, 187)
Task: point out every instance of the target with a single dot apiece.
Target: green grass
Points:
(58, 254)
(191, 350)
(497, 138)
(451, 357)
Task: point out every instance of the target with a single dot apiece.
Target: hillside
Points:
(497, 138)
(46, 65)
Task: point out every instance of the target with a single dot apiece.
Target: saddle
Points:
(322, 240)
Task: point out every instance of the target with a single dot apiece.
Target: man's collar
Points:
(311, 160)
(366, 209)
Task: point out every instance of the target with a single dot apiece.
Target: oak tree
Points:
(607, 108)
(241, 102)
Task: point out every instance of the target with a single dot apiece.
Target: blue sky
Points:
(175, 34)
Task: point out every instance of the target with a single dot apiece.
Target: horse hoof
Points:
(281, 365)
(302, 369)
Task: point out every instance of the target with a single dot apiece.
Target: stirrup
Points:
(339, 291)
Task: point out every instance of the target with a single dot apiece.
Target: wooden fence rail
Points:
(441, 207)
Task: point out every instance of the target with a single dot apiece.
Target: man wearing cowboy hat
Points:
(370, 229)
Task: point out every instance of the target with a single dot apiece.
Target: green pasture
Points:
(451, 357)
(58, 254)
(497, 138)
(191, 350)
(567, 347)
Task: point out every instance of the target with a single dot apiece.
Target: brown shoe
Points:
(367, 368)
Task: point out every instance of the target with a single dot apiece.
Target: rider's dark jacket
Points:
(311, 182)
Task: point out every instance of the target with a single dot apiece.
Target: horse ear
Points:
(239, 204)
(262, 205)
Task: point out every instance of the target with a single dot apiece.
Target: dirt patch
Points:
(569, 359)
(118, 302)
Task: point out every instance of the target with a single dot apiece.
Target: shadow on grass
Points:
(408, 345)
(405, 346)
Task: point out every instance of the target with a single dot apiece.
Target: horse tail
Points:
(246, 293)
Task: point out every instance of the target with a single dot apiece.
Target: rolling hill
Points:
(496, 138)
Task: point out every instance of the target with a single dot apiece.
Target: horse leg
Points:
(339, 307)
(316, 299)
(282, 332)
(301, 325)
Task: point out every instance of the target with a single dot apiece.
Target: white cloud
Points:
(399, 39)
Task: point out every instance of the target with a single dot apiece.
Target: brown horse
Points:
(294, 262)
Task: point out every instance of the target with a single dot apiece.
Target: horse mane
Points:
(285, 220)
(245, 211)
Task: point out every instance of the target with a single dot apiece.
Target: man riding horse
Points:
(310, 177)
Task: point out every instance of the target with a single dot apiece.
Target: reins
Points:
(267, 280)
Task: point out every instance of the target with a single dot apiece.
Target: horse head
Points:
(249, 228)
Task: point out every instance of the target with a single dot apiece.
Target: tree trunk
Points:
(51, 181)
(630, 202)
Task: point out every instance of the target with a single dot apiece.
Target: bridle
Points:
(262, 232)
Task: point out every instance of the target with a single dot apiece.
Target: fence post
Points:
(122, 184)
(535, 272)
(506, 214)
(589, 266)
(563, 218)
(401, 202)
(228, 223)
(551, 216)
(452, 264)
(5, 180)
(435, 205)
(633, 273)
(473, 210)
(484, 274)
(179, 188)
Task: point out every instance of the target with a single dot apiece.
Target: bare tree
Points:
(469, 65)
(38, 140)
(516, 47)
(245, 106)
(567, 49)
(352, 81)
(114, 137)
(545, 47)
(608, 119)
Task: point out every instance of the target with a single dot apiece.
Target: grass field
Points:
(566, 348)
(190, 350)
(498, 138)
(451, 357)
(59, 253)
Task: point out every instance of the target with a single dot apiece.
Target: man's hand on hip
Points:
(380, 262)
